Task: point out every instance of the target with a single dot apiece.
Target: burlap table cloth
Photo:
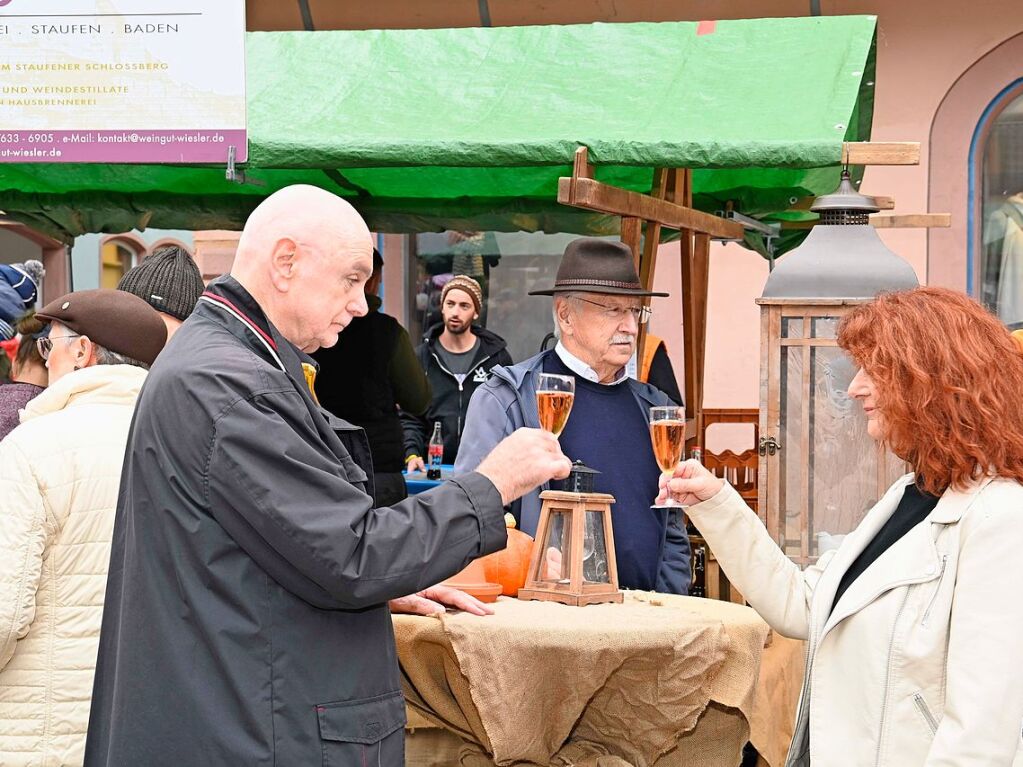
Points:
(539, 683)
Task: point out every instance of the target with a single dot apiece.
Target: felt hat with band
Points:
(116, 320)
(593, 265)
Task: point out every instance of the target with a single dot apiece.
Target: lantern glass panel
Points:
(791, 327)
(843, 458)
(824, 327)
(829, 468)
(793, 456)
(557, 548)
(595, 569)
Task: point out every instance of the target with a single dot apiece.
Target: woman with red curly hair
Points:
(914, 624)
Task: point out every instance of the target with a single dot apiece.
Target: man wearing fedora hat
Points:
(598, 309)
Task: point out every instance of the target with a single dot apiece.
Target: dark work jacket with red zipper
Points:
(246, 618)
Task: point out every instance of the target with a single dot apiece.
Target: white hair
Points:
(554, 310)
(106, 357)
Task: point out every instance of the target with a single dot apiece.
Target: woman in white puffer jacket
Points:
(59, 476)
(914, 625)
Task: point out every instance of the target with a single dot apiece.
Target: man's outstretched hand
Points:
(523, 460)
(437, 599)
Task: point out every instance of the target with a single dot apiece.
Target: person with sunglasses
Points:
(59, 486)
(598, 310)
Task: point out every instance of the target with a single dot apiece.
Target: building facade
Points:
(949, 75)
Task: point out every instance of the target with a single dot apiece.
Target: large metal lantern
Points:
(819, 470)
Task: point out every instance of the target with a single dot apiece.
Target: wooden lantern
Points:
(819, 469)
(573, 559)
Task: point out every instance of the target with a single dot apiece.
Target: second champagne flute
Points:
(668, 435)
(554, 397)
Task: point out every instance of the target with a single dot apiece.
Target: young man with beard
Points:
(457, 357)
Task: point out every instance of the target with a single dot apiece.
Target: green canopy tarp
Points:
(471, 128)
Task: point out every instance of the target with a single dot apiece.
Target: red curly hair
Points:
(949, 378)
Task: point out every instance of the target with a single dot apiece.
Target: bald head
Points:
(306, 213)
(304, 255)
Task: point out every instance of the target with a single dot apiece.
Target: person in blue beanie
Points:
(19, 289)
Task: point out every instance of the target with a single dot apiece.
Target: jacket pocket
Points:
(925, 712)
(366, 732)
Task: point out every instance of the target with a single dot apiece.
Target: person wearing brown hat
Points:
(457, 356)
(59, 485)
(247, 611)
(169, 281)
(598, 308)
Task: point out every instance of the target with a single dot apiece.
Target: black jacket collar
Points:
(243, 315)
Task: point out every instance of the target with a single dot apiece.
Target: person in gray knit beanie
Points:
(169, 281)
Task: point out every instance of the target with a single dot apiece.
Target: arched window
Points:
(117, 255)
(998, 179)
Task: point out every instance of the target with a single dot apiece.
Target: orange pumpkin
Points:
(510, 565)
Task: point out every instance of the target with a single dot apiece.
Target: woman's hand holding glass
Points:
(689, 484)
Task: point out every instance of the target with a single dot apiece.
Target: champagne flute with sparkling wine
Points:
(668, 435)
(554, 397)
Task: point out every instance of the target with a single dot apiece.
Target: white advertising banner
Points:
(122, 81)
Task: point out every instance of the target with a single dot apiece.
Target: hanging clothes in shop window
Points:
(1003, 249)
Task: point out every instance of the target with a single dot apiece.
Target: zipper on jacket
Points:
(803, 708)
(921, 704)
(888, 679)
(477, 365)
(461, 388)
(934, 597)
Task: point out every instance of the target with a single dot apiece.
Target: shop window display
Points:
(1001, 206)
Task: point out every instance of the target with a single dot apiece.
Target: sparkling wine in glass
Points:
(554, 396)
(668, 435)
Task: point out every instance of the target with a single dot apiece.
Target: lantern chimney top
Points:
(580, 478)
(845, 205)
(842, 257)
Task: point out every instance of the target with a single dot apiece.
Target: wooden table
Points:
(660, 680)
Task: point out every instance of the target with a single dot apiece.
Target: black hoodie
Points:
(450, 398)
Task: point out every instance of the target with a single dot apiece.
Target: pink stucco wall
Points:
(923, 48)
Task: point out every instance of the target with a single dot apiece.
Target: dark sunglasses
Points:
(45, 345)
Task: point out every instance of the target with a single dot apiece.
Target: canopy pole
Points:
(695, 281)
(631, 234)
(664, 186)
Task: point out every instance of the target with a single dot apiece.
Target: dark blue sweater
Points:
(609, 432)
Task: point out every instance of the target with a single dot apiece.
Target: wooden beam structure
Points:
(899, 221)
(913, 221)
(594, 195)
(670, 205)
(695, 282)
(884, 203)
(881, 153)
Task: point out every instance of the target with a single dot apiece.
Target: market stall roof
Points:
(471, 128)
